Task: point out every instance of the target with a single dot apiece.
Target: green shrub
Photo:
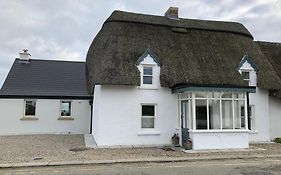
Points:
(277, 140)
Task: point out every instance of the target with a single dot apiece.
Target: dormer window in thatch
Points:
(149, 67)
(248, 70)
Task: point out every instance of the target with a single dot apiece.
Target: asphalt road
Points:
(229, 167)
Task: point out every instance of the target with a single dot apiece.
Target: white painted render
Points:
(275, 117)
(47, 112)
(117, 116)
(219, 139)
(260, 100)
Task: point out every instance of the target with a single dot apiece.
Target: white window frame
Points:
(245, 79)
(154, 117)
(24, 109)
(153, 75)
(192, 99)
(71, 107)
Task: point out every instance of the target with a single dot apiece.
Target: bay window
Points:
(215, 110)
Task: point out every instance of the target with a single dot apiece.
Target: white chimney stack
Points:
(172, 13)
(25, 56)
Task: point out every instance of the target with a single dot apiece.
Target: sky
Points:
(64, 29)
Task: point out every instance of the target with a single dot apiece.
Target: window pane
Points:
(239, 114)
(148, 110)
(246, 75)
(214, 95)
(227, 117)
(214, 108)
(201, 95)
(147, 70)
(147, 79)
(201, 114)
(65, 108)
(30, 107)
(147, 122)
(226, 95)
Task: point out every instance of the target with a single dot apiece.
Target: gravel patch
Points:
(42, 148)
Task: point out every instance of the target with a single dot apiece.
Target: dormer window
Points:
(149, 67)
(147, 75)
(248, 70)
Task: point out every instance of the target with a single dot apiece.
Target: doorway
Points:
(184, 120)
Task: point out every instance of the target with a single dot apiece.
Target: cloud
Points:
(57, 29)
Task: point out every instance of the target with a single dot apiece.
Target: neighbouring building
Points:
(148, 77)
(45, 96)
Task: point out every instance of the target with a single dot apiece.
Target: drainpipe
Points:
(248, 108)
(91, 123)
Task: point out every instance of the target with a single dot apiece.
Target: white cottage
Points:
(208, 81)
(151, 77)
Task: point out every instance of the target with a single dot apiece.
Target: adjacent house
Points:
(150, 77)
(45, 96)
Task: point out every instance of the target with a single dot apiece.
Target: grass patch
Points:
(277, 140)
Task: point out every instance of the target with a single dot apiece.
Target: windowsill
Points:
(29, 118)
(149, 87)
(66, 118)
(253, 131)
(149, 132)
(219, 131)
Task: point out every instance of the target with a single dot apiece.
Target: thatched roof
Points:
(193, 52)
(273, 52)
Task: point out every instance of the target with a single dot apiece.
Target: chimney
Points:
(172, 13)
(25, 56)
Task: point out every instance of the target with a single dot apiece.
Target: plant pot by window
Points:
(175, 140)
(187, 144)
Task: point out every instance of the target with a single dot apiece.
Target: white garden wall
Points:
(275, 117)
(117, 116)
(47, 112)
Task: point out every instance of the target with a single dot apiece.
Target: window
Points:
(147, 75)
(246, 76)
(30, 106)
(65, 108)
(216, 110)
(148, 116)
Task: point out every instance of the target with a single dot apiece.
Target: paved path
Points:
(230, 167)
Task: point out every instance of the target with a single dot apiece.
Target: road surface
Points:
(229, 167)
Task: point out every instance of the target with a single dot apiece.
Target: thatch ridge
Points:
(218, 26)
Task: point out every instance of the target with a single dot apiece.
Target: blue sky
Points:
(64, 29)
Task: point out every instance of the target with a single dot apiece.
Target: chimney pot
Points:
(172, 13)
(25, 56)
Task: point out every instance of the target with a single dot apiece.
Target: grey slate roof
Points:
(191, 52)
(47, 78)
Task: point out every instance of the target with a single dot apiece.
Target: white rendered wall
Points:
(261, 132)
(219, 139)
(275, 117)
(47, 112)
(117, 116)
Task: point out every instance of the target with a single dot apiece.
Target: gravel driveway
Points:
(37, 148)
